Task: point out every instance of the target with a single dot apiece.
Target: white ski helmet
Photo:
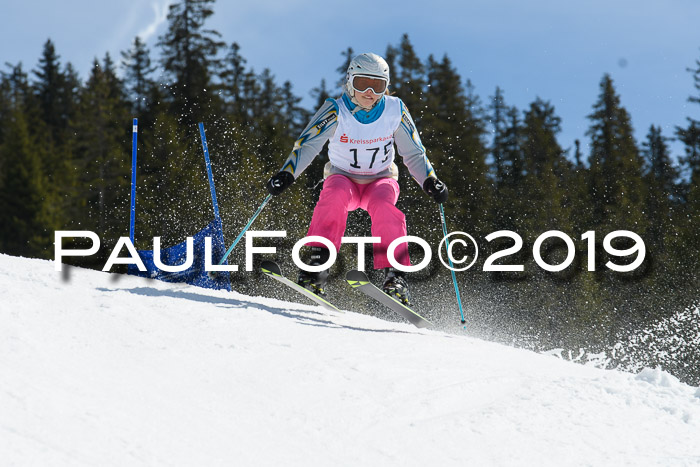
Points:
(367, 64)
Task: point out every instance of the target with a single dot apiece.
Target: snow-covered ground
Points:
(109, 370)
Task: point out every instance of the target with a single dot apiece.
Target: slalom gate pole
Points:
(454, 277)
(245, 229)
(205, 147)
(212, 189)
(132, 215)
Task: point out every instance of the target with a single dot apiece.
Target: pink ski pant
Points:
(341, 195)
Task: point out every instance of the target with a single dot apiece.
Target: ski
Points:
(359, 280)
(272, 269)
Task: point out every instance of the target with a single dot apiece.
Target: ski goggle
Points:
(363, 83)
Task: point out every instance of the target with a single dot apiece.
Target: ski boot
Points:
(395, 285)
(315, 281)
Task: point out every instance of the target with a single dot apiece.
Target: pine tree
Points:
(56, 92)
(23, 197)
(320, 94)
(15, 96)
(251, 91)
(269, 102)
(513, 159)
(685, 245)
(348, 54)
(508, 170)
(189, 57)
(103, 127)
(658, 162)
(578, 156)
(497, 116)
(72, 85)
(617, 202)
(232, 79)
(455, 138)
(295, 117)
(269, 122)
(51, 93)
(660, 178)
(690, 137)
(541, 149)
(136, 63)
(615, 176)
(21, 107)
(408, 79)
(390, 57)
(476, 120)
(577, 194)
(545, 169)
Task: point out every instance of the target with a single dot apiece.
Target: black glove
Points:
(279, 182)
(436, 189)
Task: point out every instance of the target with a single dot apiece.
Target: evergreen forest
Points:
(65, 164)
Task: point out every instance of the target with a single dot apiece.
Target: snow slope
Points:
(110, 370)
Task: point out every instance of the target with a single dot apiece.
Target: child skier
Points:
(361, 127)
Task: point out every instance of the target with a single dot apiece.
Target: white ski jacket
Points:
(361, 144)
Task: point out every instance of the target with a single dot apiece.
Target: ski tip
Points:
(356, 276)
(270, 267)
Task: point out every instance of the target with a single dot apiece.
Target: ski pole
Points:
(132, 213)
(245, 229)
(447, 247)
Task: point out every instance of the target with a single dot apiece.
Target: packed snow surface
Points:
(110, 370)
